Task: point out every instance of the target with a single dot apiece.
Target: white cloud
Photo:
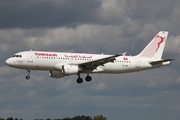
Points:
(173, 44)
(60, 39)
(151, 84)
(64, 84)
(178, 80)
(99, 86)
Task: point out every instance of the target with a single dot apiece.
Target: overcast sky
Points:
(89, 26)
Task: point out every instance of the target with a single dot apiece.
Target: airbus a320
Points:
(61, 64)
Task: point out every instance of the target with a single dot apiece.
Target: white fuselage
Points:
(40, 60)
(61, 64)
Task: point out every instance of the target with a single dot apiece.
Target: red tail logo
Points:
(160, 42)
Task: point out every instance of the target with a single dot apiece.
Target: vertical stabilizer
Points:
(156, 47)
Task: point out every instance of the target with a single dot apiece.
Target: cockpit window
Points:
(17, 56)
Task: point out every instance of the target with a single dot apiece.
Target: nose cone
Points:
(9, 62)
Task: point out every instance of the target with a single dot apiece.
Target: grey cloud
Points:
(48, 14)
(45, 14)
(122, 92)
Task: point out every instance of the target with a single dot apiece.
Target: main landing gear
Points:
(80, 80)
(28, 74)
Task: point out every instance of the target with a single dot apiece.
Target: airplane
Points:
(61, 64)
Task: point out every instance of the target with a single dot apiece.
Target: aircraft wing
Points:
(160, 61)
(91, 65)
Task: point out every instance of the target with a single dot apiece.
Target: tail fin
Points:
(156, 47)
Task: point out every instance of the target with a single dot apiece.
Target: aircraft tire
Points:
(79, 80)
(88, 78)
(27, 77)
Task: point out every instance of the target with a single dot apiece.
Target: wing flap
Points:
(91, 65)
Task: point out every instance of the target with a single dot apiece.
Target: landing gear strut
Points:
(79, 80)
(28, 74)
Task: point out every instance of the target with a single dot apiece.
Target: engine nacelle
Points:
(70, 69)
(56, 74)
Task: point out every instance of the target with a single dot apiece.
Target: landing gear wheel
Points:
(28, 74)
(88, 78)
(79, 80)
(27, 77)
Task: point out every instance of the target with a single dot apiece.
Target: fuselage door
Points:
(30, 56)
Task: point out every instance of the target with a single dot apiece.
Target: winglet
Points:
(124, 54)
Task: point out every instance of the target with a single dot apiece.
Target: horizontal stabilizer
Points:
(161, 61)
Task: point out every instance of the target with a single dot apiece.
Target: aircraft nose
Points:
(8, 62)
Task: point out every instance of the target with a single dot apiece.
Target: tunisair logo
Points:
(46, 54)
(160, 42)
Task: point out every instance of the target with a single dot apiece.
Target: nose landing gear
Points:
(27, 77)
(28, 74)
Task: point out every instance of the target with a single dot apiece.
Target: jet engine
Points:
(70, 69)
(56, 74)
